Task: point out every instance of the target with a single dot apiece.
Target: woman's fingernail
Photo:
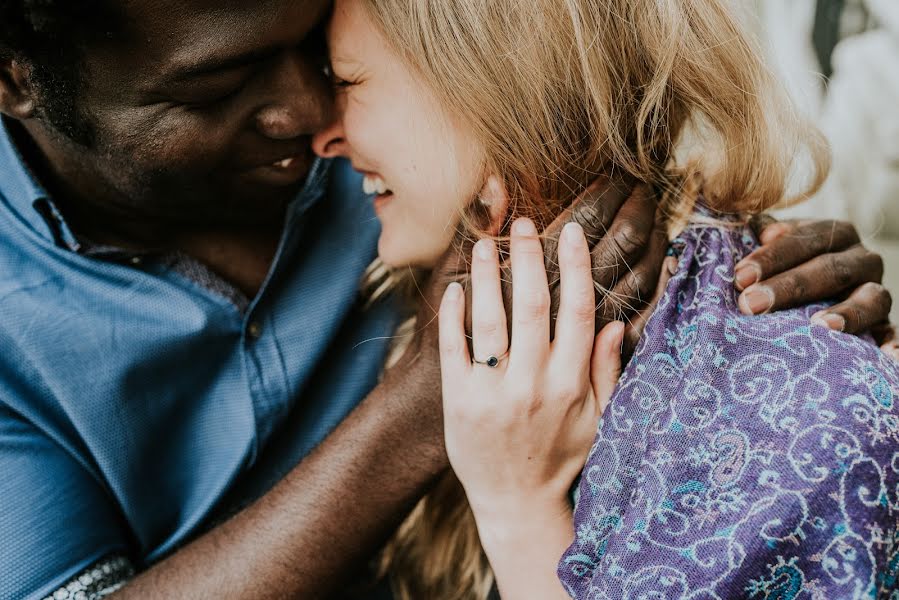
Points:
(454, 291)
(829, 320)
(746, 275)
(572, 233)
(524, 227)
(619, 335)
(484, 249)
(672, 264)
(757, 300)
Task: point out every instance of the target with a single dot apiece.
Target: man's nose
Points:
(299, 100)
(331, 142)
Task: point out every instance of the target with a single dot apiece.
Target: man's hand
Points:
(808, 261)
(798, 263)
(628, 244)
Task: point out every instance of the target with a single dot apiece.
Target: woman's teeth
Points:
(372, 184)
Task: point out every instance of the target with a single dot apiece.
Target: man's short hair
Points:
(50, 36)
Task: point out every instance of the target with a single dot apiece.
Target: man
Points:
(180, 318)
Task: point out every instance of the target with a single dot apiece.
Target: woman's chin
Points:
(402, 257)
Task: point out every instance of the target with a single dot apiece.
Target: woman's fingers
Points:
(454, 359)
(488, 316)
(530, 298)
(605, 364)
(577, 306)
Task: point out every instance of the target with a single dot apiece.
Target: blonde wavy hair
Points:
(560, 91)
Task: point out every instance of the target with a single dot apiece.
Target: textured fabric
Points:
(740, 457)
(137, 406)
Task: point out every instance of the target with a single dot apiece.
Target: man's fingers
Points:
(825, 276)
(596, 208)
(789, 244)
(627, 240)
(634, 330)
(888, 339)
(636, 284)
(861, 311)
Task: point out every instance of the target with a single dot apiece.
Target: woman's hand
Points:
(518, 434)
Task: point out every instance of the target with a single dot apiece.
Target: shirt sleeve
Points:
(57, 522)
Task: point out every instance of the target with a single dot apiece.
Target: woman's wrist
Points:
(524, 545)
(507, 524)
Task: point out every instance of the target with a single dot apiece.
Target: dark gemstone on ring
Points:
(492, 362)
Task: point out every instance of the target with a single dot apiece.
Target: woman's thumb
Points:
(605, 364)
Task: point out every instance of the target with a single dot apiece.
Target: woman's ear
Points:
(16, 92)
(495, 199)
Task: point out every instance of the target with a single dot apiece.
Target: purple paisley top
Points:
(740, 457)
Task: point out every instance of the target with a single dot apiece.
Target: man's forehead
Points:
(196, 34)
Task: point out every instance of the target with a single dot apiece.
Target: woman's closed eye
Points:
(341, 83)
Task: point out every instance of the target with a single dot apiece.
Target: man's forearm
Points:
(327, 517)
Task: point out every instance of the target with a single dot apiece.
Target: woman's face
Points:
(421, 163)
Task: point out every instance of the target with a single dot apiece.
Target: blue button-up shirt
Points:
(134, 399)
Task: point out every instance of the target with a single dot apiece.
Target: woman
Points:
(450, 109)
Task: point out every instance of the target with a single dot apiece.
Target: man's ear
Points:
(495, 199)
(16, 92)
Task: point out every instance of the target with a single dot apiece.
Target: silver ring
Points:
(492, 360)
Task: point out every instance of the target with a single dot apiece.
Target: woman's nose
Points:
(331, 142)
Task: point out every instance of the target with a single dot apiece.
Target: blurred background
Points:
(840, 60)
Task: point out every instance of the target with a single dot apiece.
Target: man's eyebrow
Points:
(218, 64)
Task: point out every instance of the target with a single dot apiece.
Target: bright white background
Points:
(858, 109)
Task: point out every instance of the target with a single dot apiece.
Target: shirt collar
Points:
(25, 195)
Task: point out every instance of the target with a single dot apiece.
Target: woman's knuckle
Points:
(535, 305)
(487, 328)
(584, 309)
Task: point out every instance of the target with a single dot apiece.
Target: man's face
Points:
(203, 110)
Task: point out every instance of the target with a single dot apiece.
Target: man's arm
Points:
(330, 514)
(321, 524)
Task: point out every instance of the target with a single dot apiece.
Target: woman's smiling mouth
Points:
(374, 184)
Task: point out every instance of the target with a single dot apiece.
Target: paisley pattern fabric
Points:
(740, 457)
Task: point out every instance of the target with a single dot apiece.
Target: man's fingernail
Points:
(524, 227)
(829, 320)
(758, 300)
(572, 233)
(746, 275)
(892, 349)
(484, 249)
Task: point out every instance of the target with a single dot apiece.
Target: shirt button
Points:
(254, 330)
(136, 261)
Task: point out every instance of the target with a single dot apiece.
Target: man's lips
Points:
(286, 169)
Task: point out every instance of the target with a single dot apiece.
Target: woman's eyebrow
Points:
(345, 61)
